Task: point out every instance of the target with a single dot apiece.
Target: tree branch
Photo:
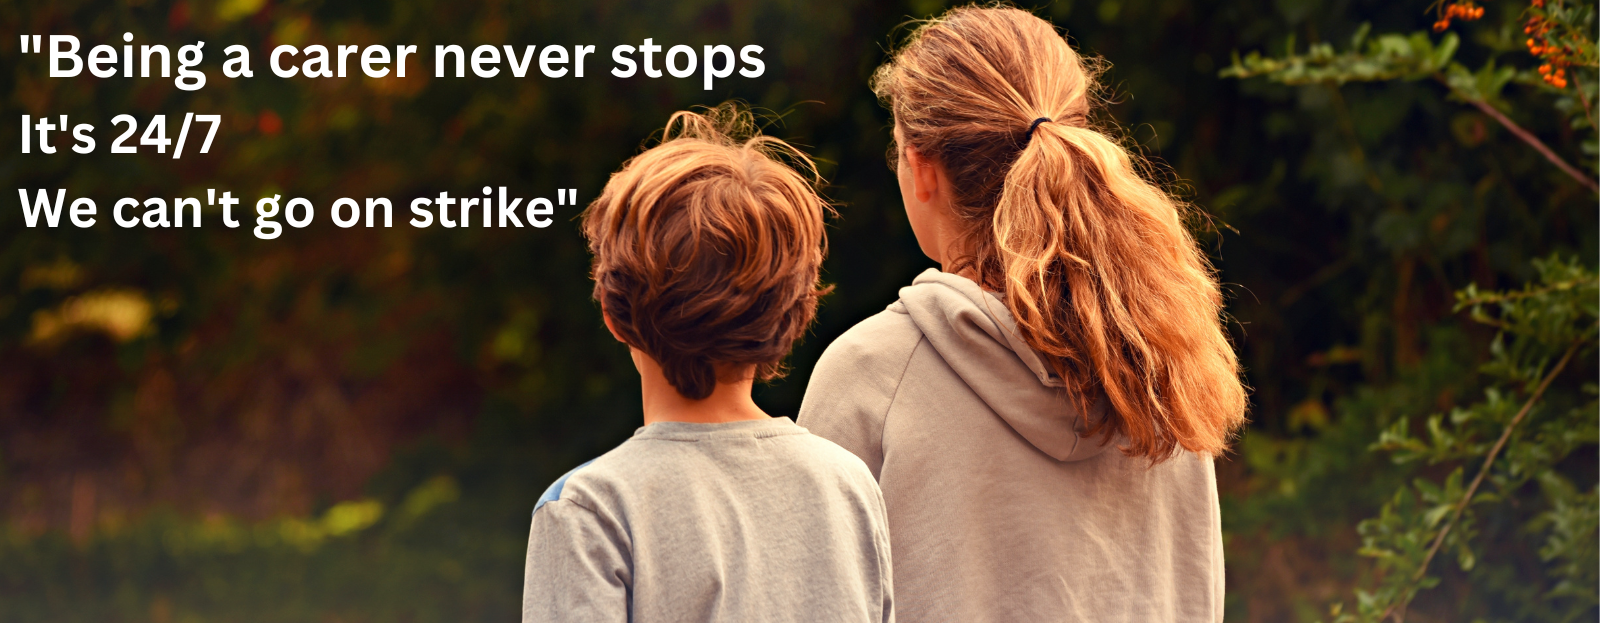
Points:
(1584, 98)
(1399, 609)
(1530, 139)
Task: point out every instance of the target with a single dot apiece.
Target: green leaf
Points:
(1361, 35)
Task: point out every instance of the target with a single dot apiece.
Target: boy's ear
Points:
(610, 325)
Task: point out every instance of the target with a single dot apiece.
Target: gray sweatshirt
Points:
(742, 521)
(998, 509)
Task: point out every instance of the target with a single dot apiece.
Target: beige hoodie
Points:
(998, 509)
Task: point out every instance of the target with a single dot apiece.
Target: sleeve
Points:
(847, 399)
(578, 568)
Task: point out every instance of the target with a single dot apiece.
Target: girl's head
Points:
(706, 250)
(1093, 260)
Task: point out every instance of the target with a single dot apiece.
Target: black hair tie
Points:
(1029, 136)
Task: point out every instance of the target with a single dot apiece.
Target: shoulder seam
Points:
(573, 502)
(625, 535)
(553, 492)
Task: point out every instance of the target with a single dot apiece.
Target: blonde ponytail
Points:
(1093, 260)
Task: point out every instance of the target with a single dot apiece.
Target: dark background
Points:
(352, 425)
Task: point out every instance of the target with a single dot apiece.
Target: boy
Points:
(706, 252)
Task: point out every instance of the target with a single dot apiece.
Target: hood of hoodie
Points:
(976, 336)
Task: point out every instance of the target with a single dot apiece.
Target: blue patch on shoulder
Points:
(554, 492)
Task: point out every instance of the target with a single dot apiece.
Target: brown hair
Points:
(707, 247)
(1093, 259)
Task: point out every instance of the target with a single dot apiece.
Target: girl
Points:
(1042, 412)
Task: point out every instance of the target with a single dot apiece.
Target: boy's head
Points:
(706, 249)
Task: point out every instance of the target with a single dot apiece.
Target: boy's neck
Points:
(728, 402)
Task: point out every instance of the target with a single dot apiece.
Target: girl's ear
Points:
(924, 175)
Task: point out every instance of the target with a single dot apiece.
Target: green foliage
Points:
(1570, 524)
(1551, 315)
(1540, 328)
(1381, 58)
(421, 559)
(1384, 58)
(1562, 35)
(1562, 26)
(1482, 484)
